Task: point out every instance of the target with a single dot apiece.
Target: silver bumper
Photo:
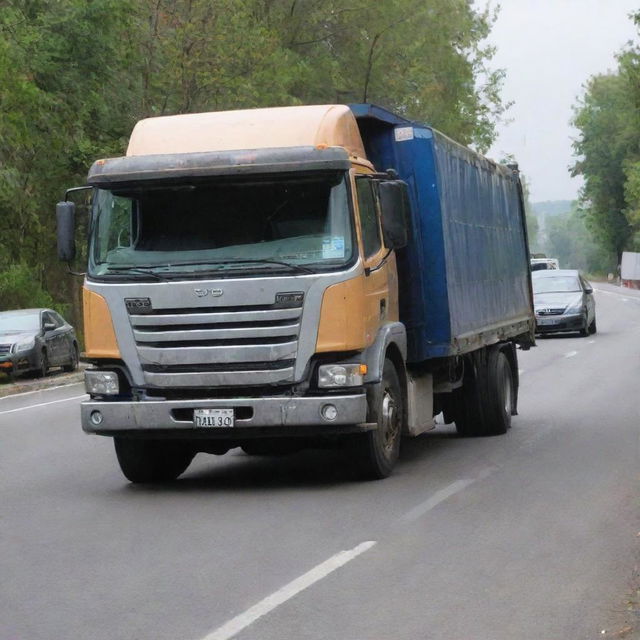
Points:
(258, 412)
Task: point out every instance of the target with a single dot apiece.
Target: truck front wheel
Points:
(378, 450)
(152, 460)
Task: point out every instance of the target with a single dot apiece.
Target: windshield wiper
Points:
(294, 267)
(127, 269)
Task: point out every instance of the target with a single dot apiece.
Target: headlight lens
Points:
(24, 345)
(101, 383)
(574, 308)
(341, 375)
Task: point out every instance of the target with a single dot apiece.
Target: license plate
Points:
(213, 418)
(546, 321)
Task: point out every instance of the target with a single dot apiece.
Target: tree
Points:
(608, 151)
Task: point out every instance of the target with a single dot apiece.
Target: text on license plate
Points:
(213, 417)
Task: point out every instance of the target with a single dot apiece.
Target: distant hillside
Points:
(551, 207)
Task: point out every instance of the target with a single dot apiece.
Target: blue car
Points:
(33, 340)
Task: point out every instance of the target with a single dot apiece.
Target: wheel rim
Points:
(390, 423)
(507, 392)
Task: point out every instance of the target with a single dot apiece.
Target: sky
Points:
(549, 49)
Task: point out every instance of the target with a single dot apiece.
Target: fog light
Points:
(341, 375)
(96, 418)
(329, 412)
(101, 383)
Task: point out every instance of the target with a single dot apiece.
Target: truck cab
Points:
(241, 286)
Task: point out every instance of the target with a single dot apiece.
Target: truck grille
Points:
(218, 346)
(5, 349)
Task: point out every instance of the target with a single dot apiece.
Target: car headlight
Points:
(24, 345)
(341, 375)
(101, 383)
(574, 308)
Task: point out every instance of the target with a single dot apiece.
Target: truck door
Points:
(380, 281)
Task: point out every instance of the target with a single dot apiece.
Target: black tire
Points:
(592, 327)
(584, 332)
(43, 367)
(487, 398)
(152, 460)
(73, 363)
(377, 451)
(271, 447)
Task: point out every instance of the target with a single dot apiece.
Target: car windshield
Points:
(19, 321)
(556, 284)
(256, 224)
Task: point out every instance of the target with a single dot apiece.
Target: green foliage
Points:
(75, 75)
(20, 288)
(608, 152)
(568, 239)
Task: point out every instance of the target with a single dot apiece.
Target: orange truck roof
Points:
(330, 125)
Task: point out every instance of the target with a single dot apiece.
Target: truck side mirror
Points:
(394, 202)
(66, 221)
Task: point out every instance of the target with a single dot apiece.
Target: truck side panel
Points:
(465, 273)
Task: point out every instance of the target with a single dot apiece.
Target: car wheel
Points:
(592, 327)
(73, 363)
(585, 329)
(41, 372)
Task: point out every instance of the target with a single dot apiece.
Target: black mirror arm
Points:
(369, 270)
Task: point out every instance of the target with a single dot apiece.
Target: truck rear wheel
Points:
(152, 460)
(377, 451)
(488, 396)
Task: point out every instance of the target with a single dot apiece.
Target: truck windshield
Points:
(299, 224)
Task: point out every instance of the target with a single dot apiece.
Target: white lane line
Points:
(240, 622)
(591, 342)
(444, 494)
(570, 354)
(43, 404)
(26, 393)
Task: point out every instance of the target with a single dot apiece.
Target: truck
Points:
(288, 277)
(630, 270)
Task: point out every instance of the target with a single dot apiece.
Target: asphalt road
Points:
(532, 535)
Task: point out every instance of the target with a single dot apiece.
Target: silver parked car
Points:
(563, 301)
(32, 340)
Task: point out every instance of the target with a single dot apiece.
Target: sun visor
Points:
(113, 172)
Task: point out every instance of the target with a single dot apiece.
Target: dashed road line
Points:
(268, 604)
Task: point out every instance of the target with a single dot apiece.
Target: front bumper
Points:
(553, 324)
(18, 362)
(271, 414)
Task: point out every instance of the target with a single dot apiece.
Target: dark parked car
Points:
(563, 301)
(32, 340)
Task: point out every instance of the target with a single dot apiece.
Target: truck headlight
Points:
(341, 375)
(101, 383)
(24, 345)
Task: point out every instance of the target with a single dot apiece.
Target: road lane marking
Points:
(444, 494)
(42, 404)
(26, 393)
(570, 354)
(242, 621)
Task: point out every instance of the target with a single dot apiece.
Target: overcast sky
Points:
(549, 49)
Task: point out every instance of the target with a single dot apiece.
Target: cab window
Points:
(368, 217)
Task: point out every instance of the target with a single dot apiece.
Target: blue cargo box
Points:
(464, 277)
